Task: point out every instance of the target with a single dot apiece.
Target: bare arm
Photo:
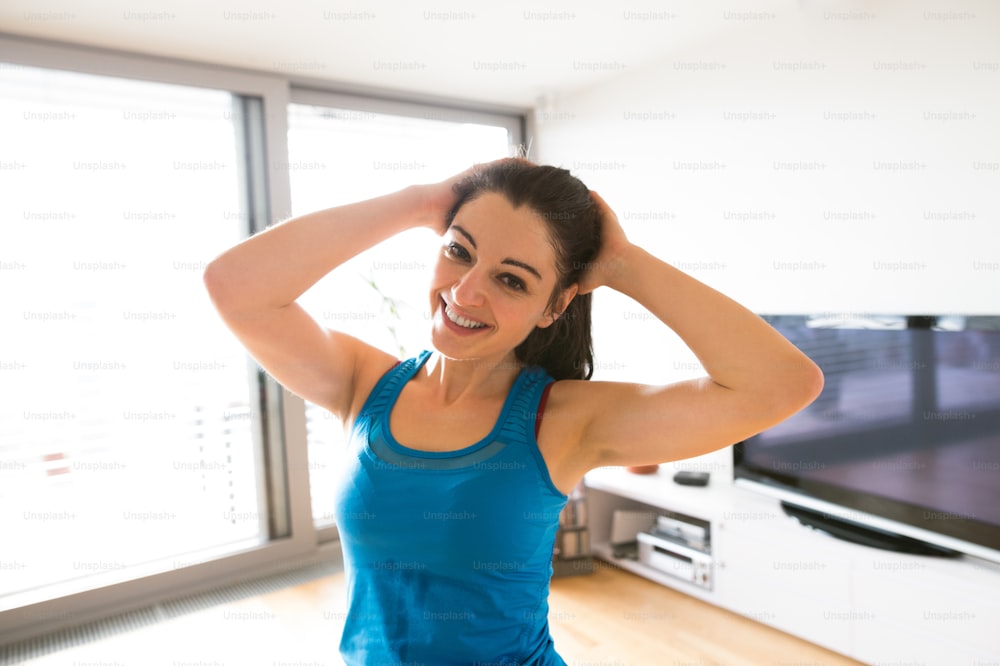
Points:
(756, 378)
(254, 286)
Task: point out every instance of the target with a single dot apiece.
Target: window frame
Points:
(265, 150)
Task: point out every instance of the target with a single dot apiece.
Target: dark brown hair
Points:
(564, 349)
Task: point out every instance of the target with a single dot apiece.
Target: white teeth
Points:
(460, 320)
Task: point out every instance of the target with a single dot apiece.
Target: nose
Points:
(469, 290)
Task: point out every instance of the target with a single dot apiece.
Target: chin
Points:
(452, 349)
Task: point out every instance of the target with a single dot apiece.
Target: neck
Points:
(452, 380)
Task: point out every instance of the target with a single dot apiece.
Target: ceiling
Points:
(502, 54)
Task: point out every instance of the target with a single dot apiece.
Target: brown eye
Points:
(513, 282)
(457, 251)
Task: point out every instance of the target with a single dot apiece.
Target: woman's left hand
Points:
(609, 262)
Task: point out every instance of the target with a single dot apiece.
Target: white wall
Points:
(841, 160)
(716, 194)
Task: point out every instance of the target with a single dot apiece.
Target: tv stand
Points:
(874, 605)
(863, 534)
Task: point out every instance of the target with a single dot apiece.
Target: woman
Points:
(462, 458)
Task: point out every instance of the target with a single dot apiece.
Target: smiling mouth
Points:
(459, 320)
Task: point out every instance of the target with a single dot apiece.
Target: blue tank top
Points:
(448, 555)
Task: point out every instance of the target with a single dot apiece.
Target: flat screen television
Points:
(901, 450)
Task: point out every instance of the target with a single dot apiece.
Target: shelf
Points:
(604, 551)
(659, 490)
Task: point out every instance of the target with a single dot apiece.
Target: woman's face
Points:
(492, 280)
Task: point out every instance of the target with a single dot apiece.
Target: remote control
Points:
(686, 478)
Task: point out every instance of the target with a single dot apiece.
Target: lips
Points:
(459, 320)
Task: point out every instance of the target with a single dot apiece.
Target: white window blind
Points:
(126, 443)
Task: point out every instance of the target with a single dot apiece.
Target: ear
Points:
(550, 315)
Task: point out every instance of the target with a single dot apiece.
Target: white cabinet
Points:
(770, 570)
(873, 605)
(906, 599)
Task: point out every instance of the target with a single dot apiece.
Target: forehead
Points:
(502, 231)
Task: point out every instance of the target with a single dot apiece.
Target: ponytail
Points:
(565, 348)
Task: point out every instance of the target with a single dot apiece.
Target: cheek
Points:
(443, 273)
(525, 311)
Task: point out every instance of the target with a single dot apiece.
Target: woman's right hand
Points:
(439, 198)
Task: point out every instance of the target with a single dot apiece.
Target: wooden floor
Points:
(610, 618)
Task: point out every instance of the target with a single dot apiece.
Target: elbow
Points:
(234, 290)
(804, 385)
(219, 284)
(793, 389)
(212, 280)
(812, 383)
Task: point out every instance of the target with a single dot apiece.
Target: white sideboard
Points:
(875, 606)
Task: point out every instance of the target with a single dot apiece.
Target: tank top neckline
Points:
(401, 449)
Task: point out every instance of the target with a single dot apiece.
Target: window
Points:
(341, 153)
(127, 437)
(142, 451)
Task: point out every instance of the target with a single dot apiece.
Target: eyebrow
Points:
(508, 260)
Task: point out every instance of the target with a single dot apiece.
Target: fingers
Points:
(598, 199)
(602, 206)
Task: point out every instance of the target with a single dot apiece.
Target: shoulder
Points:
(575, 402)
(562, 440)
(577, 397)
(371, 365)
(583, 418)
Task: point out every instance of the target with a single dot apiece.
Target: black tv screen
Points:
(907, 427)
